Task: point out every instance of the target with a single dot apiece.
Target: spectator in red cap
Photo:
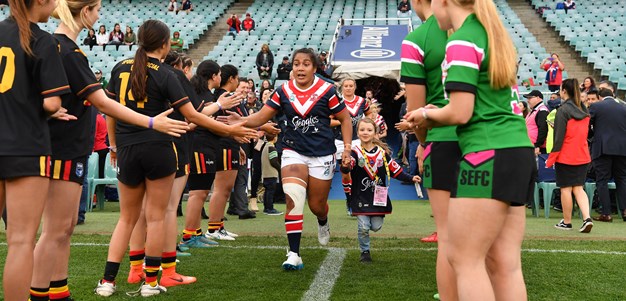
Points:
(248, 24)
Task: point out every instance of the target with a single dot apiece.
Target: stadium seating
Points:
(600, 40)
(191, 26)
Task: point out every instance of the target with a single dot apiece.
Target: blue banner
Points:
(357, 43)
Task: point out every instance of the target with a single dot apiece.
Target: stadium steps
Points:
(210, 39)
(547, 36)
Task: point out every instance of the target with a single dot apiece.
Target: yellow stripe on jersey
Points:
(175, 153)
(57, 170)
(198, 167)
(42, 166)
(225, 159)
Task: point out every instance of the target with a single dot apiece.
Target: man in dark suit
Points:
(608, 151)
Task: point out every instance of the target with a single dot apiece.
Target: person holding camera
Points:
(554, 67)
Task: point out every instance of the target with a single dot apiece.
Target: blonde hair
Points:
(67, 10)
(375, 140)
(347, 79)
(502, 53)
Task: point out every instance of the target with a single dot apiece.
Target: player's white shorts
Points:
(322, 168)
(339, 145)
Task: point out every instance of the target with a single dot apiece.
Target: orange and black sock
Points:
(215, 226)
(198, 231)
(168, 260)
(39, 294)
(59, 290)
(153, 265)
(136, 258)
(189, 233)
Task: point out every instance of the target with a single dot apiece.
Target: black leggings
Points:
(256, 172)
(102, 156)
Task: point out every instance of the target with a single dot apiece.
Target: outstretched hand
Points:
(232, 118)
(166, 125)
(231, 101)
(61, 114)
(240, 132)
(271, 128)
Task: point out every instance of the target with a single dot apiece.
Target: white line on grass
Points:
(326, 276)
(598, 252)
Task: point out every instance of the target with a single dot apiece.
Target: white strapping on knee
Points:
(297, 193)
(304, 183)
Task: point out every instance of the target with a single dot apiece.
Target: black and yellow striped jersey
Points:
(24, 83)
(163, 91)
(74, 139)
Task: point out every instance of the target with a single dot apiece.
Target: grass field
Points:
(557, 265)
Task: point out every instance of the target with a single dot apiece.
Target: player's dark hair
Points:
(570, 86)
(205, 71)
(186, 60)
(153, 34)
(308, 52)
(228, 72)
(19, 12)
(172, 59)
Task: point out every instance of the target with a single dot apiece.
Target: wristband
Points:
(424, 114)
(424, 145)
(113, 149)
(219, 105)
(151, 123)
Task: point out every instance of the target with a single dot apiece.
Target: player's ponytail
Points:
(205, 72)
(19, 12)
(152, 35)
(68, 10)
(570, 86)
(502, 54)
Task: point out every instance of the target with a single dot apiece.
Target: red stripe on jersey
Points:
(179, 101)
(275, 99)
(48, 166)
(230, 155)
(66, 170)
(394, 167)
(203, 164)
(88, 87)
(44, 93)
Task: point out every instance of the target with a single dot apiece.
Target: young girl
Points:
(32, 84)
(154, 88)
(497, 171)
(380, 121)
(570, 154)
(370, 169)
(308, 160)
(358, 108)
(71, 145)
(423, 51)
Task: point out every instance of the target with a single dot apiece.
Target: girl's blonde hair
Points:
(68, 10)
(347, 79)
(502, 54)
(375, 140)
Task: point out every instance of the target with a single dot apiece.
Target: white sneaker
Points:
(323, 234)
(219, 235)
(231, 234)
(148, 290)
(293, 262)
(105, 289)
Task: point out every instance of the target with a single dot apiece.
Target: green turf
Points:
(403, 268)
